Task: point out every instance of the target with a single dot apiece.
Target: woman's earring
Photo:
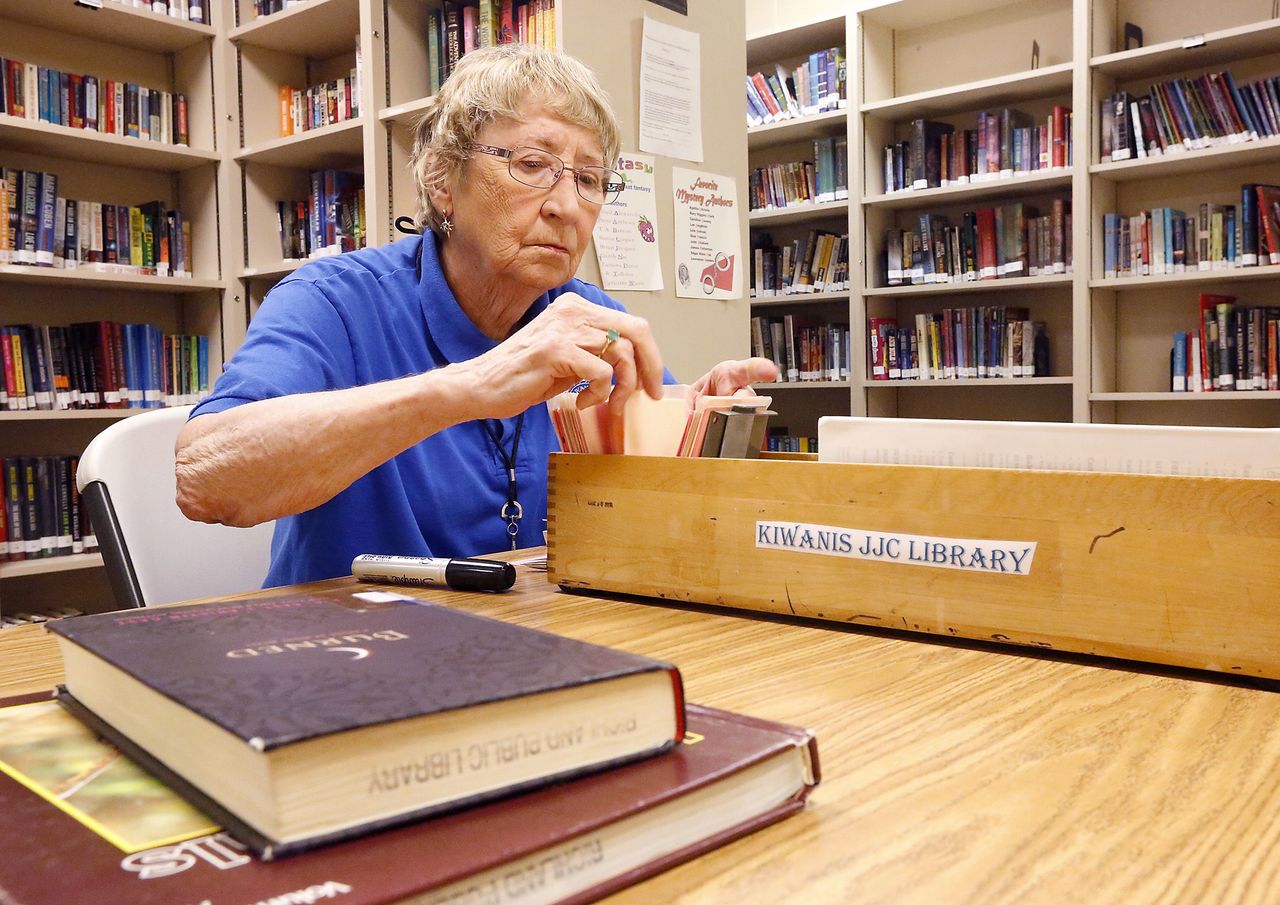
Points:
(446, 224)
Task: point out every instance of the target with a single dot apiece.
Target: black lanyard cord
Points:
(512, 511)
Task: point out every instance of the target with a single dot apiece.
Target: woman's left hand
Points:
(735, 376)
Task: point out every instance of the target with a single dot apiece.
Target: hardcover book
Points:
(132, 842)
(305, 719)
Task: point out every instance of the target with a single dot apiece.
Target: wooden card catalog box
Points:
(1176, 570)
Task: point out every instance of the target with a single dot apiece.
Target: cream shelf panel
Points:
(799, 212)
(89, 146)
(1024, 283)
(805, 385)
(799, 298)
(802, 40)
(406, 113)
(1244, 153)
(72, 415)
(335, 145)
(318, 29)
(270, 274)
(1233, 396)
(998, 91)
(966, 382)
(1192, 278)
(91, 279)
(47, 564)
(1014, 186)
(1209, 49)
(114, 22)
(803, 128)
(908, 14)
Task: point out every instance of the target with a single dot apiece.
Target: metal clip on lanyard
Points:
(511, 511)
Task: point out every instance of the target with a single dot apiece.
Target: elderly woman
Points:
(390, 400)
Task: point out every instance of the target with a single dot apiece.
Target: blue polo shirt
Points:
(373, 315)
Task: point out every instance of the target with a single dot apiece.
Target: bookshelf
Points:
(1131, 319)
(780, 143)
(949, 63)
(1110, 336)
(134, 45)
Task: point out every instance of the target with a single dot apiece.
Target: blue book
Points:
(154, 397)
(202, 364)
(1249, 225)
(1179, 362)
(1166, 233)
(63, 102)
(1110, 249)
(132, 369)
(1246, 114)
(1188, 121)
(46, 217)
(42, 88)
(1229, 234)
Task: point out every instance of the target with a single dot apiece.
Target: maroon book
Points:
(303, 719)
(573, 842)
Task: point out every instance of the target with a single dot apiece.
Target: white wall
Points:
(692, 333)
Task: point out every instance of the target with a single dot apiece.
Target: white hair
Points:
(490, 84)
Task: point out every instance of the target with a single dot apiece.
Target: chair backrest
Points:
(153, 553)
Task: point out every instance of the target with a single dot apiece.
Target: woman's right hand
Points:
(565, 344)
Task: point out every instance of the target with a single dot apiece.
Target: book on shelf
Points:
(191, 10)
(1183, 114)
(1046, 446)
(814, 86)
(81, 101)
(460, 27)
(1214, 236)
(329, 221)
(1232, 348)
(323, 104)
(1001, 146)
(803, 349)
(42, 228)
(100, 364)
(579, 840)
(985, 342)
(675, 425)
(817, 263)
(304, 719)
(1007, 241)
(41, 515)
(779, 441)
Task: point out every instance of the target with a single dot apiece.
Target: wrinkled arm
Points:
(263, 460)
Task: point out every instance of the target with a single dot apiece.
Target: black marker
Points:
(427, 571)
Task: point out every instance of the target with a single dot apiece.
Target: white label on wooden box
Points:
(1004, 557)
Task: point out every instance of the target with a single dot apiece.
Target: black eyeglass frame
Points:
(509, 154)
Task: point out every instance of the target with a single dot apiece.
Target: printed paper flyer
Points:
(626, 235)
(708, 239)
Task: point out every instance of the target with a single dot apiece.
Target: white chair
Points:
(154, 553)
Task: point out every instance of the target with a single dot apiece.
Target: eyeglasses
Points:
(542, 169)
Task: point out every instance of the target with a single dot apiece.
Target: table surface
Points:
(950, 773)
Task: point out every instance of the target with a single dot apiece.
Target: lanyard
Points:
(511, 511)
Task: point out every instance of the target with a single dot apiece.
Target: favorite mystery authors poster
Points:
(708, 237)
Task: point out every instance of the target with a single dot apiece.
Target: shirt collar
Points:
(448, 325)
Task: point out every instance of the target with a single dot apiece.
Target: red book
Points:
(109, 106)
(396, 709)
(507, 24)
(577, 842)
(988, 264)
(1059, 136)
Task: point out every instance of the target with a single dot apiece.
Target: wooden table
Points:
(951, 774)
